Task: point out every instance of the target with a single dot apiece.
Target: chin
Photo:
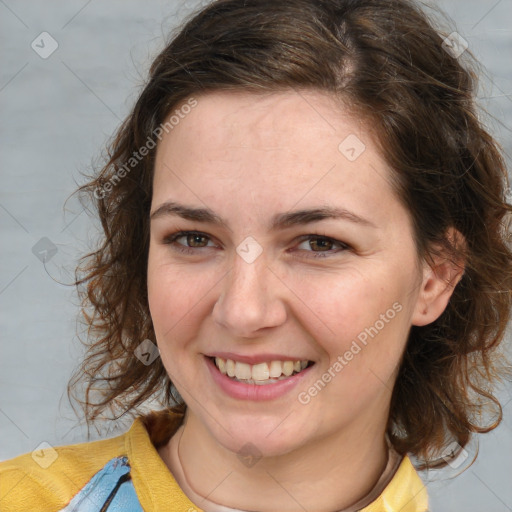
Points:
(257, 437)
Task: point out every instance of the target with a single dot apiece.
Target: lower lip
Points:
(243, 391)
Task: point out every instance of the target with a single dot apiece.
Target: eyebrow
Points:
(279, 221)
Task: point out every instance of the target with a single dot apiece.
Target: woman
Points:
(305, 260)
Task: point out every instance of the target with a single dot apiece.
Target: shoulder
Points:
(120, 473)
(48, 479)
(405, 492)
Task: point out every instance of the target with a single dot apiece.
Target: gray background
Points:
(56, 115)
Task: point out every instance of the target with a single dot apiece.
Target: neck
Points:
(339, 470)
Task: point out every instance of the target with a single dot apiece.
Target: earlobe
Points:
(440, 277)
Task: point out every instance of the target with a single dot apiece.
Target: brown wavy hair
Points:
(386, 61)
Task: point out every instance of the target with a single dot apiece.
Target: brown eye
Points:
(322, 244)
(195, 240)
(187, 241)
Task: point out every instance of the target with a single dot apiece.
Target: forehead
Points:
(299, 121)
(280, 149)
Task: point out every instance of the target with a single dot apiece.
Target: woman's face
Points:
(300, 251)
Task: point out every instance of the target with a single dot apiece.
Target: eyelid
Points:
(171, 239)
(303, 238)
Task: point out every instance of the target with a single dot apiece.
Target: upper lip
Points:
(256, 358)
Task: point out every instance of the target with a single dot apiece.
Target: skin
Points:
(248, 157)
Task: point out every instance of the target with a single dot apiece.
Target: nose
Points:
(250, 300)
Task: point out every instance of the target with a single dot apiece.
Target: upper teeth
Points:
(261, 371)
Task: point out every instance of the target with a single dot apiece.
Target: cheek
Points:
(169, 297)
(347, 303)
(177, 299)
(364, 323)
(170, 287)
(168, 305)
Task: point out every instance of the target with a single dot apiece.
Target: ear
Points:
(440, 276)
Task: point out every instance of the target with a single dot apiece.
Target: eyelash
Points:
(171, 240)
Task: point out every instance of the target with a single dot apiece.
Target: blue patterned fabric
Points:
(109, 490)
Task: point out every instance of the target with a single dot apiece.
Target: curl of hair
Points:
(383, 60)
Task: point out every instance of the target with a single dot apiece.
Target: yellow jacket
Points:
(126, 473)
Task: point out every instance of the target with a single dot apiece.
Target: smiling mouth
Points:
(261, 373)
